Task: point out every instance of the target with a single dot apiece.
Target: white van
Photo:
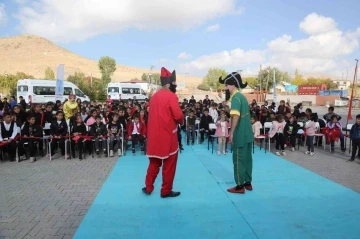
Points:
(124, 91)
(43, 91)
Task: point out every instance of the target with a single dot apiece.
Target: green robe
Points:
(243, 133)
(243, 138)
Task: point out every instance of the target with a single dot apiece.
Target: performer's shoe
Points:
(248, 186)
(144, 191)
(172, 194)
(237, 189)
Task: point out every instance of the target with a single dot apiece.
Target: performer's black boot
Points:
(172, 194)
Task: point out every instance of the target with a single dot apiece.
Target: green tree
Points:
(267, 77)
(144, 77)
(155, 78)
(8, 82)
(107, 66)
(251, 81)
(211, 80)
(298, 80)
(85, 85)
(49, 74)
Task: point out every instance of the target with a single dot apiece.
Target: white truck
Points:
(124, 91)
(43, 91)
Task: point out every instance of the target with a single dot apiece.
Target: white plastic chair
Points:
(212, 126)
(318, 134)
(347, 135)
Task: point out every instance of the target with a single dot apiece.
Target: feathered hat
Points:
(166, 77)
(233, 78)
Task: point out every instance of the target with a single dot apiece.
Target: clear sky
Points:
(193, 35)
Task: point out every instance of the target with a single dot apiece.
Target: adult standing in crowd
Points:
(71, 107)
(162, 147)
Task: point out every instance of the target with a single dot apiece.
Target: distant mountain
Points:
(33, 54)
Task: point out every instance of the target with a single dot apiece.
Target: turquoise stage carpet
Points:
(287, 202)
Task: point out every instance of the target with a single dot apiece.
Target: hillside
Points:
(32, 54)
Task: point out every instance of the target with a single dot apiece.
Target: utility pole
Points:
(261, 94)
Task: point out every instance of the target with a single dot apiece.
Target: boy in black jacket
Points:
(290, 130)
(31, 134)
(355, 138)
(58, 131)
(77, 130)
(99, 131)
(205, 120)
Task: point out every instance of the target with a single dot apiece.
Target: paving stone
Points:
(37, 200)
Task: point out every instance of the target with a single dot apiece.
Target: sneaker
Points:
(283, 153)
(277, 153)
(307, 152)
(312, 154)
(32, 159)
(97, 152)
(351, 160)
(133, 151)
(218, 152)
(111, 153)
(119, 152)
(293, 149)
(224, 152)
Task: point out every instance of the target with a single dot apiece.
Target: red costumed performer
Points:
(162, 138)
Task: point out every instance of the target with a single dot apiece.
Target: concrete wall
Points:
(326, 100)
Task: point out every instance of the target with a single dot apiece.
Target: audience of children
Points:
(104, 123)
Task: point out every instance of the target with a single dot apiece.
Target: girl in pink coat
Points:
(277, 130)
(222, 132)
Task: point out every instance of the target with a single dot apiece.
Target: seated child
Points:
(8, 132)
(78, 130)
(58, 130)
(190, 127)
(136, 131)
(99, 131)
(291, 129)
(32, 133)
(205, 120)
(114, 130)
(334, 132)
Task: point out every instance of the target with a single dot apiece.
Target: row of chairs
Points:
(301, 134)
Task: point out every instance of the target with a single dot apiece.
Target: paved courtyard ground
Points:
(50, 199)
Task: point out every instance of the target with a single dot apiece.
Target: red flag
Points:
(352, 92)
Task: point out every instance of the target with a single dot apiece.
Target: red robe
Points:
(164, 116)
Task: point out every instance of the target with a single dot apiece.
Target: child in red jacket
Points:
(136, 130)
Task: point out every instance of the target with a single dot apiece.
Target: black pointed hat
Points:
(166, 77)
(233, 78)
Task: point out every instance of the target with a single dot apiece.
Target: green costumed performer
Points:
(241, 136)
